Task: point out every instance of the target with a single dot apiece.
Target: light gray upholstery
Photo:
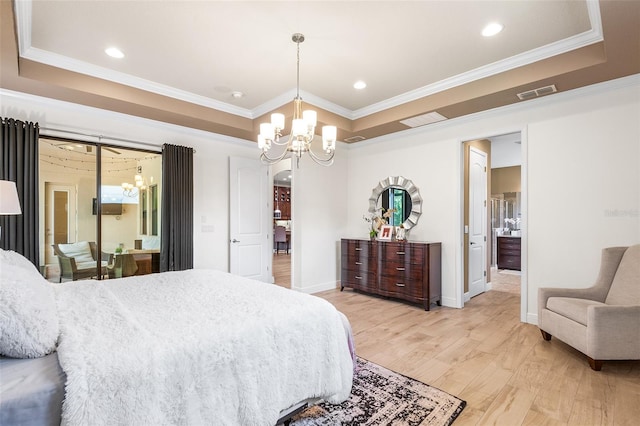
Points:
(602, 321)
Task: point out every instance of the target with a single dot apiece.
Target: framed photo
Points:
(385, 233)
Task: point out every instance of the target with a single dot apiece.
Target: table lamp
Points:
(9, 202)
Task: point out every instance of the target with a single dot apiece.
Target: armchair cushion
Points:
(569, 307)
(80, 251)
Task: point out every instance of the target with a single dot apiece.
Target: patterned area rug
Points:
(383, 397)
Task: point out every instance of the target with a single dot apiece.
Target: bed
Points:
(189, 347)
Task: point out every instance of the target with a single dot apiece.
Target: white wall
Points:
(582, 150)
(589, 139)
(319, 219)
(316, 188)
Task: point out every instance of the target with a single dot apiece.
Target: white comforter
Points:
(196, 347)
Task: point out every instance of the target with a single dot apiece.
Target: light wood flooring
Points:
(282, 269)
(483, 354)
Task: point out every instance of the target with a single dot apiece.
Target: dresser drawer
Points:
(359, 280)
(401, 287)
(360, 264)
(402, 253)
(509, 252)
(406, 272)
(509, 262)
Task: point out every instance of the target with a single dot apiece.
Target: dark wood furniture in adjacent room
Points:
(405, 270)
(282, 201)
(508, 252)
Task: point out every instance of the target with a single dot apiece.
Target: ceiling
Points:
(184, 59)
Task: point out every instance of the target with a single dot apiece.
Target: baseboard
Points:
(532, 319)
(449, 302)
(466, 297)
(332, 285)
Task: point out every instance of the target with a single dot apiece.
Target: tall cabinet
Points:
(405, 270)
(282, 201)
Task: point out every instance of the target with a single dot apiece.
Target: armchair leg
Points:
(546, 336)
(595, 364)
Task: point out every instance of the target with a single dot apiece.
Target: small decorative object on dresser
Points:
(405, 270)
(386, 233)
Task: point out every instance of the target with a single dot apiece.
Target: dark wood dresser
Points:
(508, 252)
(405, 270)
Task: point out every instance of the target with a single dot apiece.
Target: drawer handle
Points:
(358, 249)
(358, 263)
(399, 269)
(400, 285)
(358, 278)
(399, 252)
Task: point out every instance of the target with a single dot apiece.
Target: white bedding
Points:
(196, 347)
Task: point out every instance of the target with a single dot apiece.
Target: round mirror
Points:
(396, 192)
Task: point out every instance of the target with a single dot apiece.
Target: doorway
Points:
(60, 210)
(282, 222)
(506, 213)
(505, 216)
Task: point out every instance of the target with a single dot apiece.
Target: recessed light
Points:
(114, 52)
(492, 29)
(237, 95)
(359, 85)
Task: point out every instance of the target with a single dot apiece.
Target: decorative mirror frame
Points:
(399, 182)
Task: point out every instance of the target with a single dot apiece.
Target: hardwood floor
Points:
(282, 269)
(483, 354)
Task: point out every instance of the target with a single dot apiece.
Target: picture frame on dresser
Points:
(385, 233)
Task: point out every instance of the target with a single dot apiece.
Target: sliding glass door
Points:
(99, 197)
(129, 219)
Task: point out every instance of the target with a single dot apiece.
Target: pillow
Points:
(80, 251)
(28, 315)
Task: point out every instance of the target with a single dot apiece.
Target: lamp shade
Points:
(9, 202)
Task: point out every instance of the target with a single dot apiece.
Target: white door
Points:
(477, 222)
(60, 217)
(250, 227)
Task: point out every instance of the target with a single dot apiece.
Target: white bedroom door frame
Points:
(250, 228)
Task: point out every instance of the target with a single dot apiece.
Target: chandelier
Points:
(131, 190)
(302, 133)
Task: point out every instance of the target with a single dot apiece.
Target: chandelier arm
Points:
(279, 143)
(326, 161)
(272, 160)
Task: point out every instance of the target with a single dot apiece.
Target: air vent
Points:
(541, 91)
(423, 120)
(354, 139)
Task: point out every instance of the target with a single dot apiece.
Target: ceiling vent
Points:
(541, 91)
(423, 120)
(354, 139)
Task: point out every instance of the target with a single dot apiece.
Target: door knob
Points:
(235, 241)
(472, 242)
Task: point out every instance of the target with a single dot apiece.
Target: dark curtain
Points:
(19, 163)
(176, 238)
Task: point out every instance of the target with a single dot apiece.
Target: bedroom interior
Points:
(485, 350)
